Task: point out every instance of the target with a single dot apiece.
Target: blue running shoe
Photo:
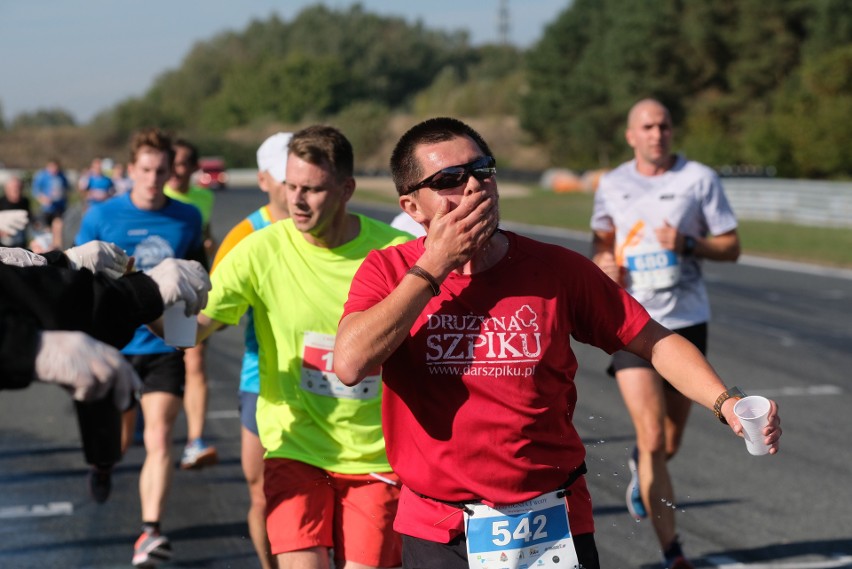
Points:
(634, 495)
(198, 454)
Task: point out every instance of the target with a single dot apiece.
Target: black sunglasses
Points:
(454, 176)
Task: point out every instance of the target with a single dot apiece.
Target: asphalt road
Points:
(784, 332)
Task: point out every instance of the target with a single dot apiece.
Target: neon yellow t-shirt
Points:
(201, 198)
(297, 292)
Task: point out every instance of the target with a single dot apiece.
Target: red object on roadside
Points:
(212, 173)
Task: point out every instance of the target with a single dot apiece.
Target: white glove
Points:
(180, 279)
(99, 257)
(86, 367)
(13, 220)
(17, 257)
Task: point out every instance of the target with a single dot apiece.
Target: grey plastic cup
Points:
(179, 330)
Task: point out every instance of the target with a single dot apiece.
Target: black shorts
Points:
(424, 554)
(46, 217)
(696, 334)
(160, 372)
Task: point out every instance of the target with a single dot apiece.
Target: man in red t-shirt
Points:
(473, 328)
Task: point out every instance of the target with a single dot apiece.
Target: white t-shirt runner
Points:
(688, 197)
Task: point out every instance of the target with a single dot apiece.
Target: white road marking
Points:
(224, 414)
(802, 391)
(795, 267)
(37, 510)
(835, 562)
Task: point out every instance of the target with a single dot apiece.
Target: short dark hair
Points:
(189, 147)
(151, 138)
(324, 145)
(404, 166)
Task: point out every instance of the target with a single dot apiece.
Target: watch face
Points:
(736, 392)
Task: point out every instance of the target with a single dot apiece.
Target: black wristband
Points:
(688, 246)
(423, 274)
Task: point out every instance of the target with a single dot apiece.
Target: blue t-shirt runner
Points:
(150, 236)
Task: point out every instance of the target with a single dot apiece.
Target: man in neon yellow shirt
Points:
(197, 453)
(327, 480)
(271, 171)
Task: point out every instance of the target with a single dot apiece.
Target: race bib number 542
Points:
(534, 533)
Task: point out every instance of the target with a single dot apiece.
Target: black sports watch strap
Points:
(688, 246)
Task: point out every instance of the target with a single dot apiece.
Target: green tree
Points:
(311, 67)
(44, 118)
(759, 81)
(592, 64)
(277, 90)
(563, 92)
(365, 124)
(809, 117)
(802, 133)
(767, 43)
(386, 59)
(114, 128)
(491, 85)
(829, 27)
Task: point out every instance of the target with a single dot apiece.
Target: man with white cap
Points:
(271, 170)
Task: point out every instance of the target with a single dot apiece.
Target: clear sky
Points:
(86, 55)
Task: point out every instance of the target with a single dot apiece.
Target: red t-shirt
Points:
(479, 398)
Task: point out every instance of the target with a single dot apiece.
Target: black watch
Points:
(688, 246)
(734, 392)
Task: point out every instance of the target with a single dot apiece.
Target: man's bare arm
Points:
(686, 368)
(603, 254)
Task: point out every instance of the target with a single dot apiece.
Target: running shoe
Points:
(100, 483)
(151, 549)
(198, 454)
(673, 557)
(679, 562)
(634, 495)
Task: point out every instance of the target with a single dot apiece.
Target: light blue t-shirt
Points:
(150, 237)
(249, 375)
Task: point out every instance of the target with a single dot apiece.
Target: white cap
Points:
(272, 155)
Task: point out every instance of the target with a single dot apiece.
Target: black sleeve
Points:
(64, 299)
(120, 306)
(33, 299)
(199, 255)
(19, 342)
(57, 258)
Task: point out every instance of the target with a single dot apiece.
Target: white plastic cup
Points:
(179, 330)
(753, 413)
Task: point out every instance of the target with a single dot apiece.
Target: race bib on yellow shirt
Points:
(318, 377)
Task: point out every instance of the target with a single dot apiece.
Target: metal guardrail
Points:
(802, 202)
(799, 202)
